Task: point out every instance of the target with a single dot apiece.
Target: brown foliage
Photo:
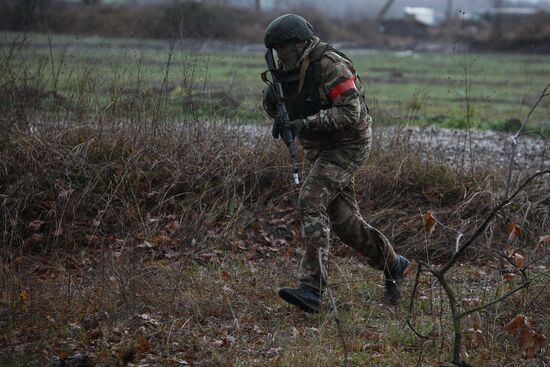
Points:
(100, 186)
(530, 342)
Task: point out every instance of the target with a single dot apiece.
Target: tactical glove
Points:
(297, 126)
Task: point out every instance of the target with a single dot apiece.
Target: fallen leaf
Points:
(143, 345)
(518, 260)
(475, 319)
(513, 232)
(429, 222)
(513, 326)
(412, 267)
(35, 225)
(530, 342)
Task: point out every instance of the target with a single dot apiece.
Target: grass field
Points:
(135, 230)
(415, 88)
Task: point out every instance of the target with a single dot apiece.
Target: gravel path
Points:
(492, 147)
(533, 152)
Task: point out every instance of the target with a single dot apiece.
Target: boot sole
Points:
(293, 300)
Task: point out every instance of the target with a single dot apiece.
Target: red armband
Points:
(341, 88)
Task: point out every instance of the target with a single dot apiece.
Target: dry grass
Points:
(161, 242)
(223, 310)
(165, 246)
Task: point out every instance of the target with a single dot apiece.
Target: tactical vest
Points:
(308, 101)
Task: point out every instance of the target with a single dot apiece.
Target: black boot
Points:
(394, 278)
(305, 297)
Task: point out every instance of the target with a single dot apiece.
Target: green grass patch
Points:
(100, 75)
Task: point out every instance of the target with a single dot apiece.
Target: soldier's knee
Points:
(314, 226)
(312, 199)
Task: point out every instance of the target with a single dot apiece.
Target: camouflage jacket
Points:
(343, 117)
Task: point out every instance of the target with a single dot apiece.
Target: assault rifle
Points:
(282, 117)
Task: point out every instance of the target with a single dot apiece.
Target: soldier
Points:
(326, 104)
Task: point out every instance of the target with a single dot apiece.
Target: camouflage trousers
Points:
(327, 198)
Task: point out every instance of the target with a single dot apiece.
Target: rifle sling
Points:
(303, 70)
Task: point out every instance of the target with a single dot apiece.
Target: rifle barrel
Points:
(282, 116)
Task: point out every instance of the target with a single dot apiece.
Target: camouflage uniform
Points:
(337, 143)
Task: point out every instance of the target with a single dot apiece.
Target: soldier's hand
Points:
(297, 126)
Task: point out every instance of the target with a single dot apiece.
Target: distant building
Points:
(422, 15)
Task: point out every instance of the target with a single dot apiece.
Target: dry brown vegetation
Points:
(166, 245)
(144, 240)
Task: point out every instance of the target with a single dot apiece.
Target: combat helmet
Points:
(287, 28)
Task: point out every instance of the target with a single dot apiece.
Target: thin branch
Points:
(338, 324)
(334, 311)
(538, 295)
(503, 297)
(515, 137)
(533, 108)
(454, 315)
(454, 258)
(536, 133)
(411, 304)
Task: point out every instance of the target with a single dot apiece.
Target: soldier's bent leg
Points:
(352, 229)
